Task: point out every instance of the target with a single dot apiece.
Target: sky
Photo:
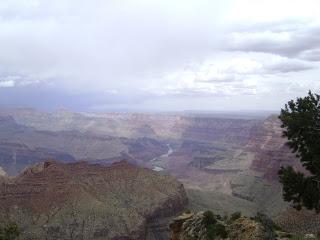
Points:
(158, 55)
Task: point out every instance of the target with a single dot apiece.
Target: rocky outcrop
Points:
(52, 200)
(299, 222)
(245, 229)
(203, 226)
(188, 226)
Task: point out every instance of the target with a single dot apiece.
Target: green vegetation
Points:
(216, 230)
(209, 218)
(213, 227)
(9, 232)
(234, 216)
(301, 124)
(188, 211)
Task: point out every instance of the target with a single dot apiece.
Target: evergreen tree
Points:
(9, 232)
(301, 124)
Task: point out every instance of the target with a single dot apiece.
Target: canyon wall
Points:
(52, 200)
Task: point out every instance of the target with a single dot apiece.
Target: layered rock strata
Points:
(52, 200)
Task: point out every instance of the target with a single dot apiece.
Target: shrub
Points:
(9, 232)
(188, 211)
(208, 218)
(234, 216)
(216, 230)
(213, 227)
(211, 234)
(221, 230)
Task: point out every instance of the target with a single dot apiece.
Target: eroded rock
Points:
(52, 200)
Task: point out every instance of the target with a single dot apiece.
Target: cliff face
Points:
(52, 200)
(235, 131)
(271, 151)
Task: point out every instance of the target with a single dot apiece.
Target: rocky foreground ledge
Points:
(52, 200)
(207, 226)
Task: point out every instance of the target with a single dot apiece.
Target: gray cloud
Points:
(290, 39)
(311, 55)
(287, 67)
(109, 43)
(151, 53)
(226, 78)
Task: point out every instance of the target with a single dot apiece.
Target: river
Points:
(167, 154)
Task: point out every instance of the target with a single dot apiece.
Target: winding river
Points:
(167, 154)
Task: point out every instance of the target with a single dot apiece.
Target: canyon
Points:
(227, 163)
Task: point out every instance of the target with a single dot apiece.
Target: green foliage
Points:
(213, 227)
(301, 124)
(208, 218)
(234, 216)
(216, 230)
(211, 232)
(187, 211)
(9, 232)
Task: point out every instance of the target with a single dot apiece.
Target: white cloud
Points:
(8, 83)
(141, 49)
(260, 11)
(228, 74)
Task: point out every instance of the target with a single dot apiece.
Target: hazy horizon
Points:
(160, 56)
(239, 114)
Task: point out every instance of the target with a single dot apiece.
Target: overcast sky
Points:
(159, 55)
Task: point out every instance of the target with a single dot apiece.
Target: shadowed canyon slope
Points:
(21, 146)
(52, 200)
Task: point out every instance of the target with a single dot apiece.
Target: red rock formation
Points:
(121, 198)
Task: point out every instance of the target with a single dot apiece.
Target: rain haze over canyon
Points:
(134, 120)
(158, 55)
